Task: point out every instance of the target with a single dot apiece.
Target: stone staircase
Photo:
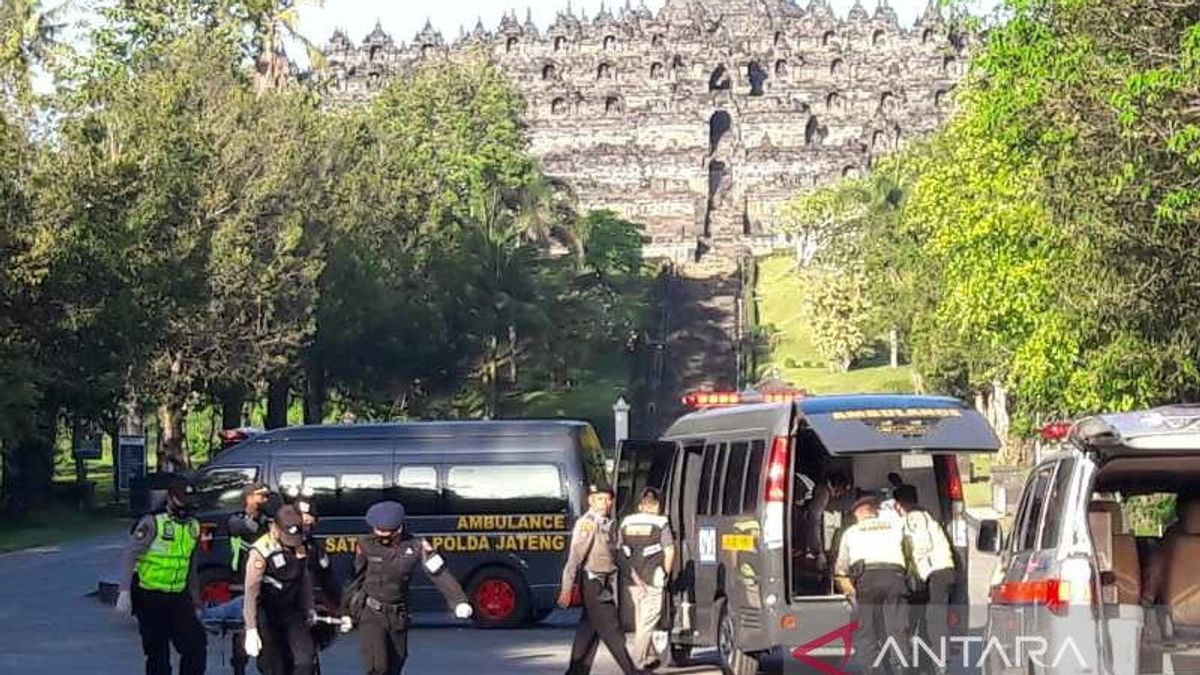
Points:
(698, 346)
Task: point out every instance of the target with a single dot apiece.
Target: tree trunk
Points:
(232, 398)
(314, 395)
(278, 397)
(171, 453)
(29, 462)
(894, 344)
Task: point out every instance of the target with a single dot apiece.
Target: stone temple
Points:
(701, 121)
(704, 119)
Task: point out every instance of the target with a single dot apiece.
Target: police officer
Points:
(247, 525)
(591, 563)
(933, 562)
(278, 605)
(386, 563)
(649, 548)
(871, 568)
(160, 551)
(320, 565)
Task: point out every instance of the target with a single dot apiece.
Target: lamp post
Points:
(620, 421)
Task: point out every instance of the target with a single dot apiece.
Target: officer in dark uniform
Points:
(872, 569)
(320, 565)
(165, 596)
(245, 527)
(386, 562)
(649, 547)
(592, 565)
(278, 607)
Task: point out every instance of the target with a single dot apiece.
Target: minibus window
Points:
(753, 474)
(358, 492)
(714, 505)
(417, 488)
(735, 474)
(706, 479)
(505, 488)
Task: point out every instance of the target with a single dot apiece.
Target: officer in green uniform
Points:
(872, 570)
(592, 565)
(165, 594)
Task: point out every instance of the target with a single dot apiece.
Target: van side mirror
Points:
(990, 536)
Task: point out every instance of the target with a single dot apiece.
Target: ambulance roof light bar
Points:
(718, 399)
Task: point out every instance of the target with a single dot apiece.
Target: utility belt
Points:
(860, 568)
(378, 606)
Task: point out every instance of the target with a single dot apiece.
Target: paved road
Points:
(51, 626)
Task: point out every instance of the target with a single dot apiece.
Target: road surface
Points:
(53, 626)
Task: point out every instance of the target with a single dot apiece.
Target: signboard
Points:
(130, 460)
(87, 446)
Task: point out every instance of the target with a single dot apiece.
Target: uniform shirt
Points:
(872, 541)
(246, 529)
(928, 542)
(140, 539)
(388, 569)
(643, 553)
(320, 566)
(593, 547)
(258, 561)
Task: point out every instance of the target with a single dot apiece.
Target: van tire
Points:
(499, 598)
(733, 660)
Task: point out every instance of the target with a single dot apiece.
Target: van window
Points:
(593, 458)
(358, 492)
(1032, 507)
(753, 474)
(417, 489)
(221, 488)
(505, 488)
(714, 504)
(735, 475)
(1056, 504)
(706, 479)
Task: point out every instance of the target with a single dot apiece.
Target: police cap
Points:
(182, 489)
(291, 526)
(256, 488)
(386, 516)
(600, 489)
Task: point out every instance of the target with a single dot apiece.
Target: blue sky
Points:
(404, 18)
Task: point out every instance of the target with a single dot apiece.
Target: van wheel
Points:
(499, 597)
(733, 660)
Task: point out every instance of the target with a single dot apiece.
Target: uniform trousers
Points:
(287, 644)
(599, 622)
(383, 635)
(648, 606)
(166, 619)
(882, 613)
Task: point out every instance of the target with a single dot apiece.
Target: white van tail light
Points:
(775, 493)
(954, 490)
(1072, 587)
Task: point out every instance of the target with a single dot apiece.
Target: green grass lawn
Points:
(781, 304)
(55, 525)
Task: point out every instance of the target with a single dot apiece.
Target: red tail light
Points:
(1056, 431)
(777, 471)
(206, 536)
(216, 593)
(954, 485)
(1054, 594)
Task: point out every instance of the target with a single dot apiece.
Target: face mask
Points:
(179, 510)
(387, 539)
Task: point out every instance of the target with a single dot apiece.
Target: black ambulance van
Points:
(728, 475)
(497, 498)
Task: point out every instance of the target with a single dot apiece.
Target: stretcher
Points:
(225, 620)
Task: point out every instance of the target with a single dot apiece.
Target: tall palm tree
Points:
(274, 23)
